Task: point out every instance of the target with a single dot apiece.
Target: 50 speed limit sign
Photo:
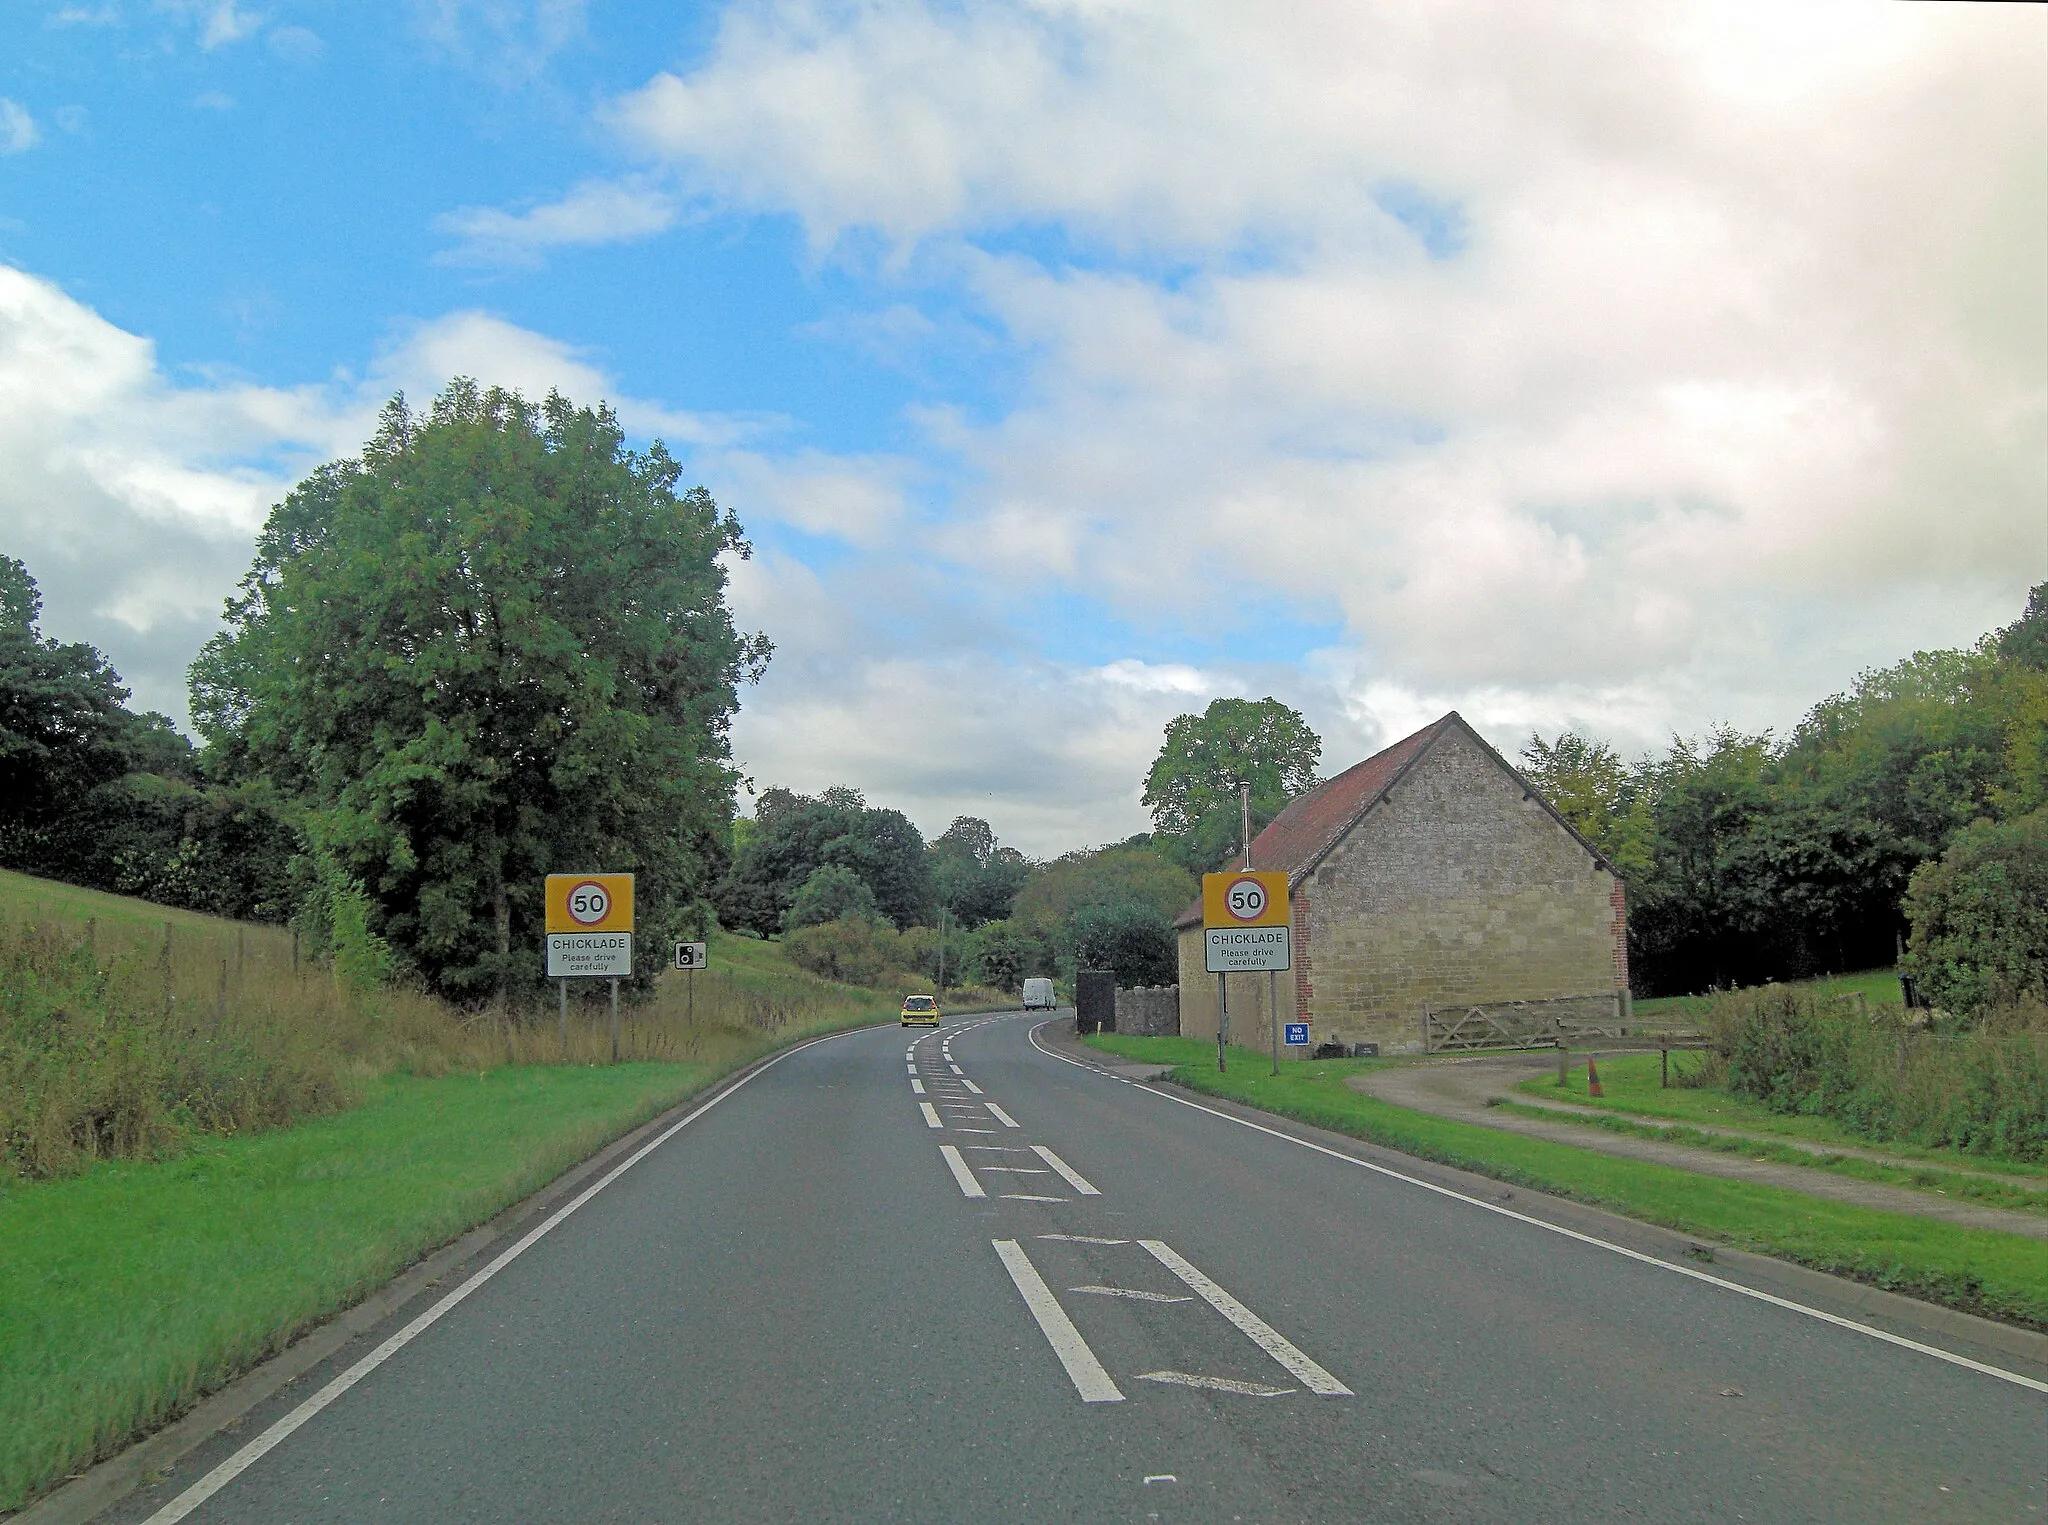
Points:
(590, 902)
(1247, 898)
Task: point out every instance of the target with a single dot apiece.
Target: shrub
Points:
(1003, 954)
(853, 952)
(1983, 1090)
(1134, 939)
(832, 893)
(1980, 918)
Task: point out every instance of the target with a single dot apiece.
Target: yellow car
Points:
(921, 1010)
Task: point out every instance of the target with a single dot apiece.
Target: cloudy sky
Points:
(1071, 363)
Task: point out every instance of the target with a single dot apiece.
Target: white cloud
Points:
(18, 132)
(509, 41)
(595, 212)
(135, 498)
(1737, 385)
(84, 15)
(295, 44)
(213, 100)
(218, 22)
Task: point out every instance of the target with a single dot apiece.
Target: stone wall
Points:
(1149, 1011)
(1459, 887)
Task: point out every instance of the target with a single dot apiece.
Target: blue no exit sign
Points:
(1297, 1034)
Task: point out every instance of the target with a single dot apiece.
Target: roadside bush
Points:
(1984, 1089)
(852, 951)
(832, 893)
(1134, 939)
(1003, 954)
(1980, 918)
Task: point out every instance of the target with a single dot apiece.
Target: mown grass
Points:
(1878, 987)
(131, 1290)
(1631, 1084)
(2000, 1275)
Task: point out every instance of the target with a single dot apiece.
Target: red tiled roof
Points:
(1312, 822)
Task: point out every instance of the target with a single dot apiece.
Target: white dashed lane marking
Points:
(969, 1187)
(1001, 1116)
(931, 1118)
(1067, 1172)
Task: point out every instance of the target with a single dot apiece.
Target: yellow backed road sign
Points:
(590, 902)
(1247, 898)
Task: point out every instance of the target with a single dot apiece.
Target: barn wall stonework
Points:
(1250, 1013)
(1457, 888)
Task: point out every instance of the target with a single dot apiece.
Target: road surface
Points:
(953, 1276)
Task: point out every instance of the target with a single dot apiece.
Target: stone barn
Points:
(1433, 890)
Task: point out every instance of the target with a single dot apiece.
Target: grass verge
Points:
(1928, 1178)
(1980, 1271)
(130, 1291)
(1630, 1081)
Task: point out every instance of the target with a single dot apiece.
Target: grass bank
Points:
(1878, 987)
(1999, 1275)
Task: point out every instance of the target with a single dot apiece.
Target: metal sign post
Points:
(1273, 1013)
(690, 957)
(1222, 1017)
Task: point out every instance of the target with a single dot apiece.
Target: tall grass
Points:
(1983, 1090)
(126, 1037)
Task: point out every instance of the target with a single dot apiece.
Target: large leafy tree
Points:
(63, 728)
(493, 647)
(795, 835)
(1192, 789)
(975, 877)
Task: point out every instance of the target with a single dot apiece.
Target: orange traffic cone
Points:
(1593, 1078)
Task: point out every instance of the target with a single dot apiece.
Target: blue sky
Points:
(1073, 365)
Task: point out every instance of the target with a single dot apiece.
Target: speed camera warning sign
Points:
(1244, 899)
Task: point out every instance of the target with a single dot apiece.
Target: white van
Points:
(1038, 996)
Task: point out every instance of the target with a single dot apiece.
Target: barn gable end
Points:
(1428, 876)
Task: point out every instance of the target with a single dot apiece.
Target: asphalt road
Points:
(1075, 1299)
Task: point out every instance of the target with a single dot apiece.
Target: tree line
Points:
(496, 645)
(1908, 809)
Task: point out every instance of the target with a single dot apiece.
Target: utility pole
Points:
(942, 955)
(1244, 800)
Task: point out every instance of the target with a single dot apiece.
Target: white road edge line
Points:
(1089, 1379)
(1254, 1328)
(931, 1118)
(971, 1086)
(1001, 1116)
(969, 1187)
(916, 1086)
(1073, 1176)
(1722, 1282)
(955, 1068)
(227, 1471)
